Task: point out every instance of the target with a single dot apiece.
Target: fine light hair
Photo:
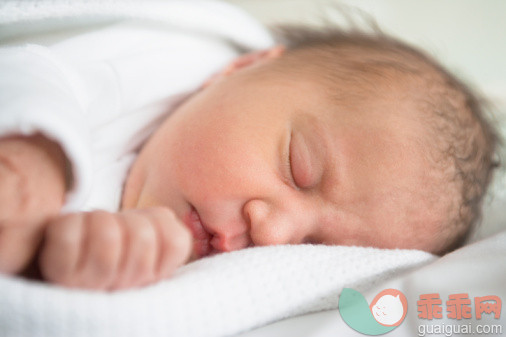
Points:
(373, 63)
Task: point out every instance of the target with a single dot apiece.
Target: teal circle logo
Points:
(386, 311)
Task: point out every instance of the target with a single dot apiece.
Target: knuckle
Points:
(104, 243)
(65, 230)
(56, 270)
(145, 233)
(143, 271)
(176, 251)
(180, 240)
(106, 228)
(54, 274)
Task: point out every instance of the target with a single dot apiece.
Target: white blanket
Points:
(478, 269)
(217, 296)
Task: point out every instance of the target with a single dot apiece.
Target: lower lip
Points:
(202, 239)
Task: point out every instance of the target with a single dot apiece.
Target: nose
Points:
(271, 224)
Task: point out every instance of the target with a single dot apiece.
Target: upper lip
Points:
(202, 236)
(205, 231)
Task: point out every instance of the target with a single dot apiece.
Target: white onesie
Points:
(101, 93)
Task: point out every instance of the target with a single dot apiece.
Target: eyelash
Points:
(289, 167)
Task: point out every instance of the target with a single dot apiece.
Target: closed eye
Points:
(299, 162)
(289, 165)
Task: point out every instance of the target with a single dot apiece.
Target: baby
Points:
(335, 138)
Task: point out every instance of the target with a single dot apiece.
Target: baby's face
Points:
(262, 158)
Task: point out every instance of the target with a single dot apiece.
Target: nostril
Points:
(310, 241)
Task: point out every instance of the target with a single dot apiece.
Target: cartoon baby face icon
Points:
(389, 307)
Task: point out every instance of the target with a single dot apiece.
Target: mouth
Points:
(202, 238)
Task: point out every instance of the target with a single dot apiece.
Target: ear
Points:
(245, 61)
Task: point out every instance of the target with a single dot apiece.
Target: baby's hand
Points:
(32, 190)
(109, 251)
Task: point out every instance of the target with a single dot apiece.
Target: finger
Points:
(175, 239)
(101, 251)
(61, 249)
(18, 245)
(140, 251)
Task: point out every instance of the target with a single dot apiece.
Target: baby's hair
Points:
(465, 138)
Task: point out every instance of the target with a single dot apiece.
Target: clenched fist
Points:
(32, 190)
(110, 251)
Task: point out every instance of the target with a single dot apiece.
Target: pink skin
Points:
(356, 176)
(32, 188)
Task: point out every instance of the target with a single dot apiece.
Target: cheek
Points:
(208, 149)
(211, 161)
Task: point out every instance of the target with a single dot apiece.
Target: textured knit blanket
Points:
(216, 296)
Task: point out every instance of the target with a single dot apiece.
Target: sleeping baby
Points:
(333, 138)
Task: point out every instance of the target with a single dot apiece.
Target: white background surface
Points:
(466, 35)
